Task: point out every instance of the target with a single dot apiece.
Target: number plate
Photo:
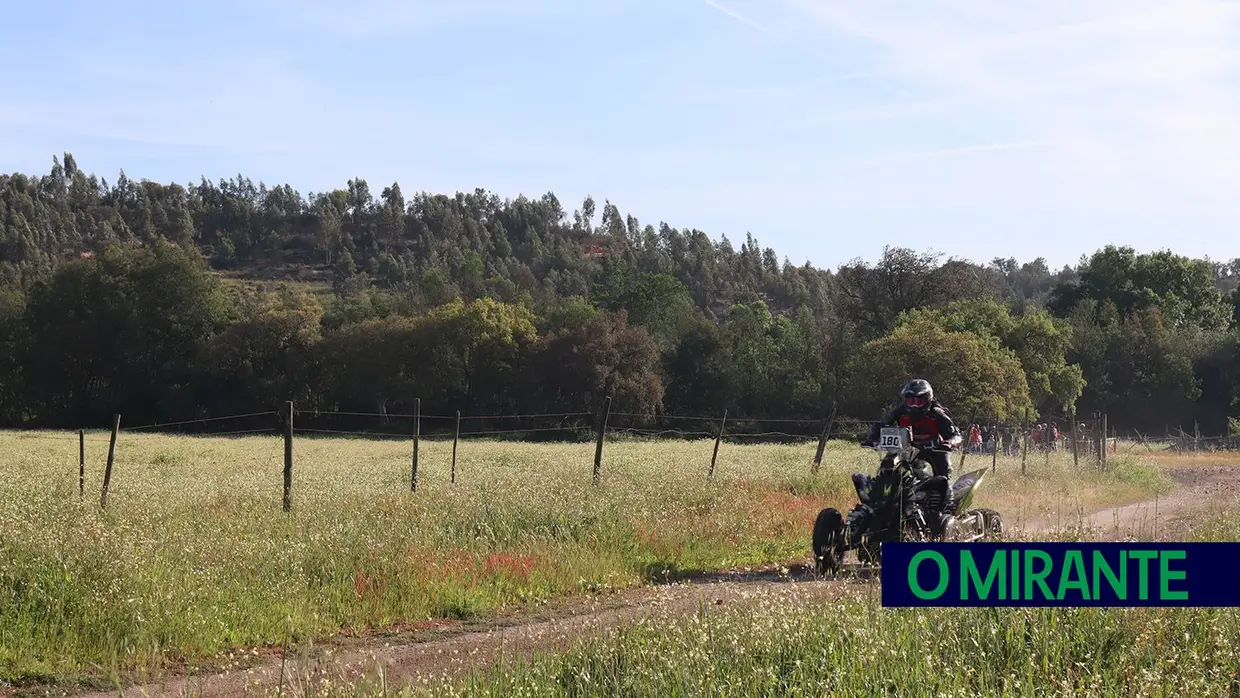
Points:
(890, 438)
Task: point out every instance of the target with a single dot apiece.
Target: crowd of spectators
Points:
(1042, 436)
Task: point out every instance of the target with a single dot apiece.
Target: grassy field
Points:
(194, 559)
(792, 644)
(856, 648)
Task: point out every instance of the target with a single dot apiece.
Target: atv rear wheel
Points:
(992, 526)
(965, 528)
(826, 543)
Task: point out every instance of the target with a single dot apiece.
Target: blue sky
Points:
(1021, 128)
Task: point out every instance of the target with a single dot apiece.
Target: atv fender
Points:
(964, 488)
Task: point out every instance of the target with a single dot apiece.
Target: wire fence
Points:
(1090, 441)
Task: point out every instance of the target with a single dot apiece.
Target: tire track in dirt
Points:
(452, 651)
(405, 659)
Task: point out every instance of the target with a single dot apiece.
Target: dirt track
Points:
(462, 648)
(450, 650)
(1200, 492)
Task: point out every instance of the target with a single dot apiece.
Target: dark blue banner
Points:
(1061, 574)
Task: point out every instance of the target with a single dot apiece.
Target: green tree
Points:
(975, 378)
(1139, 372)
(874, 296)
(1040, 341)
(267, 356)
(658, 302)
(695, 371)
(382, 364)
(604, 357)
(1182, 289)
(485, 342)
(570, 314)
(130, 327)
(12, 348)
(767, 358)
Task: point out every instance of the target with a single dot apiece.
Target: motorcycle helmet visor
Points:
(916, 400)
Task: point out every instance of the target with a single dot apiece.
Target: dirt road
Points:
(1201, 492)
(449, 650)
(458, 649)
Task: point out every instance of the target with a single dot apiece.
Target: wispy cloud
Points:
(908, 155)
(743, 19)
(373, 19)
(1139, 97)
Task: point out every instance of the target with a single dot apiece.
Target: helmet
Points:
(918, 394)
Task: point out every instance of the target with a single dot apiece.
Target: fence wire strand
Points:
(657, 432)
(57, 437)
(766, 434)
(203, 420)
(353, 433)
(402, 415)
(995, 433)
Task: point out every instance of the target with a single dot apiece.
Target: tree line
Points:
(165, 302)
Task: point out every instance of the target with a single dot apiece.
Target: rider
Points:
(928, 421)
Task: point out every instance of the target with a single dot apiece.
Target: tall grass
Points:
(793, 642)
(194, 558)
(854, 648)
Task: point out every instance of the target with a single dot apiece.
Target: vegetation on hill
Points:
(123, 297)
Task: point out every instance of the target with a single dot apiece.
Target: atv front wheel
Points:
(826, 543)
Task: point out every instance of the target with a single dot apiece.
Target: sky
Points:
(827, 130)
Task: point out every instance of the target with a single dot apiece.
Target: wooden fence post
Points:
(81, 463)
(822, 441)
(1076, 462)
(1024, 440)
(1049, 444)
(417, 436)
(718, 438)
(456, 435)
(1098, 439)
(288, 456)
(997, 436)
(598, 445)
(1105, 440)
(107, 473)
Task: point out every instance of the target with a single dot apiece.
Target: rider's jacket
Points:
(930, 424)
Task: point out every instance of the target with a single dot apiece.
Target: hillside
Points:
(518, 305)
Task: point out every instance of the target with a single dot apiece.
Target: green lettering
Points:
(1073, 563)
(1165, 575)
(1039, 577)
(920, 592)
(1120, 584)
(1144, 556)
(997, 569)
(1015, 575)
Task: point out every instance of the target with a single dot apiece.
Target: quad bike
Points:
(904, 501)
